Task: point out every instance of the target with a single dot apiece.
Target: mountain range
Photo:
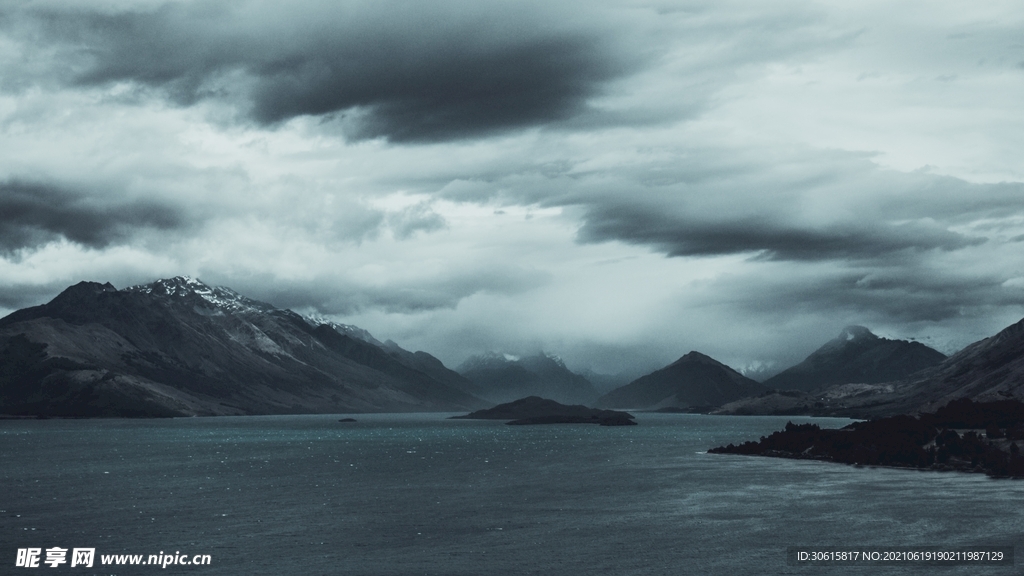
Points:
(179, 347)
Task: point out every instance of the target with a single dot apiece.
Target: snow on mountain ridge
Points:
(556, 359)
(315, 320)
(226, 300)
(220, 297)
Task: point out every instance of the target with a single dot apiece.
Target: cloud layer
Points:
(615, 182)
(406, 71)
(32, 215)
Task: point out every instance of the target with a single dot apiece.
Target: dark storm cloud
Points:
(895, 295)
(406, 71)
(35, 214)
(681, 236)
(813, 206)
(897, 218)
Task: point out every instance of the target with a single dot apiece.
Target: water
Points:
(420, 494)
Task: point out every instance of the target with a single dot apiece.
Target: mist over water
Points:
(420, 494)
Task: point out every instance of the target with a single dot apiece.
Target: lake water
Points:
(419, 494)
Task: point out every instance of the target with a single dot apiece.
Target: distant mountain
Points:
(759, 371)
(180, 347)
(605, 383)
(418, 360)
(501, 378)
(693, 381)
(856, 356)
(432, 367)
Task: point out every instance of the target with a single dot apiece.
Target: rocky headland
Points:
(962, 435)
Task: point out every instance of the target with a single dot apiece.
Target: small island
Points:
(537, 410)
(963, 435)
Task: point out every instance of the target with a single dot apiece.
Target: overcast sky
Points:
(614, 182)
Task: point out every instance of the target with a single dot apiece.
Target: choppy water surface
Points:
(419, 494)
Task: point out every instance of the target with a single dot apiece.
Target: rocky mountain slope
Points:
(695, 381)
(988, 370)
(501, 378)
(856, 356)
(180, 347)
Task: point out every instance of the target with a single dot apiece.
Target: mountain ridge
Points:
(180, 347)
(856, 355)
(987, 370)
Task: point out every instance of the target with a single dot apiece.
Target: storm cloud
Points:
(35, 214)
(838, 207)
(771, 240)
(407, 71)
(893, 217)
(614, 182)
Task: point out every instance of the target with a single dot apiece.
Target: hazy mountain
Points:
(605, 383)
(693, 381)
(431, 366)
(180, 347)
(856, 356)
(502, 378)
(759, 371)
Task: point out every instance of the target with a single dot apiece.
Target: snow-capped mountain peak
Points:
(220, 297)
(177, 286)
